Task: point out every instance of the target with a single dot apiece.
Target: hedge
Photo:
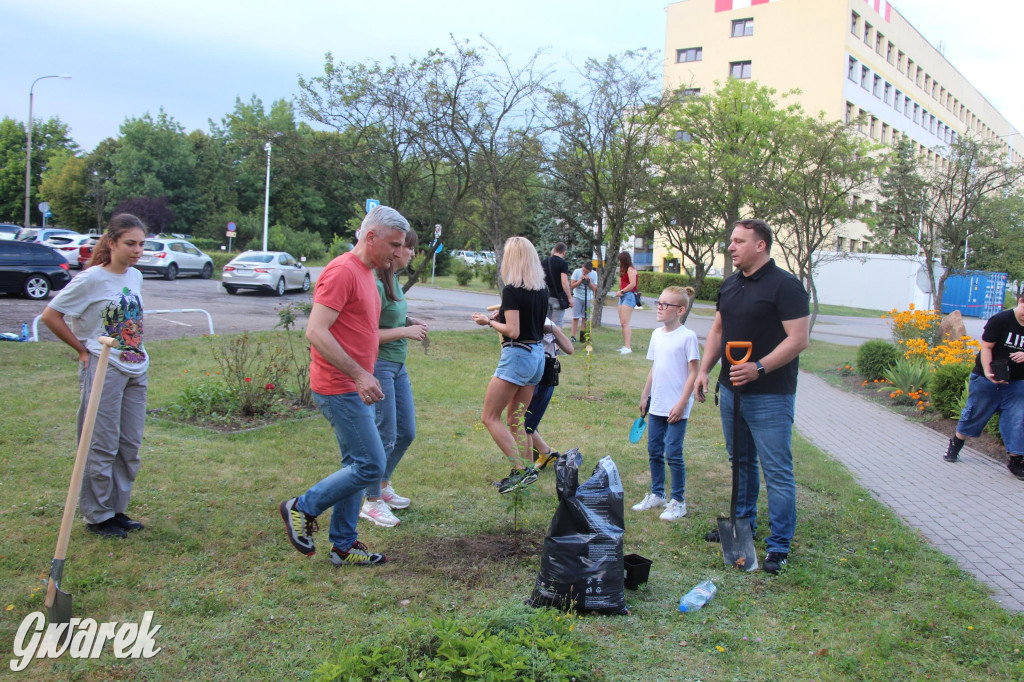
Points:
(653, 283)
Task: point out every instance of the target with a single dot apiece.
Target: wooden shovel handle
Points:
(82, 454)
(729, 345)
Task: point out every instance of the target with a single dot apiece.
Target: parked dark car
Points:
(31, 269)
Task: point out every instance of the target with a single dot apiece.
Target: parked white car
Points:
(467, 257)
(67, 245)
(275, 271)
(172, 257)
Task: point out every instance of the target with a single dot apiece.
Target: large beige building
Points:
(847, 57)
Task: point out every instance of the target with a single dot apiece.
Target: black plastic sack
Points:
(581, 567)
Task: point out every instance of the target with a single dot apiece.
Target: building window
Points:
(849, 112)
(934, 122)
(873, 129)
(690, 93)
(867, 33)
(899, 61)
(890, 53)
(906, 106)
(840, 241)
(917, 114)
(851, 72)
(855, 24)
(683, 136)
(887, 98)
(865, 81)
(910, 68)
(885, 133)
(879, 42)
(861, 117)
(877, 90)
(898, 101)
(690, 54)
(742, 27)
(739, 69)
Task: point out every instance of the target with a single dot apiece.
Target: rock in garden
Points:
(952, 326)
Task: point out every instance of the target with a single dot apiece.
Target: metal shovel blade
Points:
(58, 602)
(737, 543)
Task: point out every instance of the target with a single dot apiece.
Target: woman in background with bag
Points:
(629, 298)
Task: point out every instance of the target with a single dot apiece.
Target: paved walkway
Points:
(972, 510)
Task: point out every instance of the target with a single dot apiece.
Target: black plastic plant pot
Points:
(638, 569)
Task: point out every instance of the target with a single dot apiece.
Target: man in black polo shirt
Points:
(767, 306)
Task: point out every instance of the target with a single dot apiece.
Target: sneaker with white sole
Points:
(357, 555)
(379, 512)
(650, 501)
(625, 351)
(393, 499)
(674, 511)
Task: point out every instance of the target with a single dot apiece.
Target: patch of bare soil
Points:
(471, 560)
(236, 423)
(986, 443)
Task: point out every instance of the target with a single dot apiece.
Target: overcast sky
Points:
(194, 57)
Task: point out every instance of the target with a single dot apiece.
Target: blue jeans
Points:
(766, 435)
(395, 417)
(984, 399)
(628, 299)
(538, 406)
(362, 463)
(665, 443)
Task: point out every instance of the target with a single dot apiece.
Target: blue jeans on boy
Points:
(362, 463)
(665, 444)
(984, 399)
(395, 417)
(766, 435)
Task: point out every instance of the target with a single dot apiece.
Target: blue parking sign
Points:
(372, 204)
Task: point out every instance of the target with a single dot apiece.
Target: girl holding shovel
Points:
(106, 300)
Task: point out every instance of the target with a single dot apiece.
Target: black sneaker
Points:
(517, 478)
(952, 452)
(573, 339)
(1016, 466)
(299, 526)
(357, 555)
(126, 523)
(775, 562)
(107, 529)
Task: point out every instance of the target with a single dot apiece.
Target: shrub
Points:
(947, 388)
(254, 372)
(913, 324)
(203, 399)
(875, 357)
(907, 381)
(509, 644)
(463, 273)
(339, 245)
(655, 282)
(298, 243)
(488, 274)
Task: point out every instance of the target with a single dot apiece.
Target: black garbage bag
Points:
(581, 567)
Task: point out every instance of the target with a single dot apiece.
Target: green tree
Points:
(903, 197)
(604, 134)
(65, 185)
(999, 248)
(49, 137)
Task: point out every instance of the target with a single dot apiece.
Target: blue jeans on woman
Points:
(395, 417)
(665, 443)
(765, 435)
(362, 463)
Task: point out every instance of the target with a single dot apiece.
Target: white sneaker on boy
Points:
(674, 511)
(650, 501)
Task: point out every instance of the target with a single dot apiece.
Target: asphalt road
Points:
(442, 309)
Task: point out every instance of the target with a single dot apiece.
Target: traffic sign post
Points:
(433, 262)
(44, 208)
(372, 204)
(232, 228)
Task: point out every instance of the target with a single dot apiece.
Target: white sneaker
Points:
(393, 499)
(650, 501)
(379, 512)
(625, 351)
(674, 511)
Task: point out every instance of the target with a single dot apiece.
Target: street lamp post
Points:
(266, 199)
(28, 147)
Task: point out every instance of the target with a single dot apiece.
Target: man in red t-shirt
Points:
(343, 330)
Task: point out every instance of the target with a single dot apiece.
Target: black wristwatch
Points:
(760, 369)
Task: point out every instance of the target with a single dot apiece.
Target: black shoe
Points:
(107, 529)
(1016, 466)
(775, 562)
(517, 478)
(573, 339)
(952, 452)
(123, 521)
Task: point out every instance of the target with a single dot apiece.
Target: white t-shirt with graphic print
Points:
(102, 303)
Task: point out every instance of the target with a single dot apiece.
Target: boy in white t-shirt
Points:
(676, 353)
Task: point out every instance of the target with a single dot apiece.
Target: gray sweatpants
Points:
(113, 459)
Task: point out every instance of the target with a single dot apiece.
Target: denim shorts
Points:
(520, 366)
(985, 399)
(628, 299)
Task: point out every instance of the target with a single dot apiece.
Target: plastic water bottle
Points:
(697, 597)
(24, 332)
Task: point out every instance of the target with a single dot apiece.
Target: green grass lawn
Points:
(864, 598)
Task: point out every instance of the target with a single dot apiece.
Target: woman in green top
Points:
(396, 414)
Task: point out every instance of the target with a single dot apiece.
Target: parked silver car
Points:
(275, 271)
(173, 257)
